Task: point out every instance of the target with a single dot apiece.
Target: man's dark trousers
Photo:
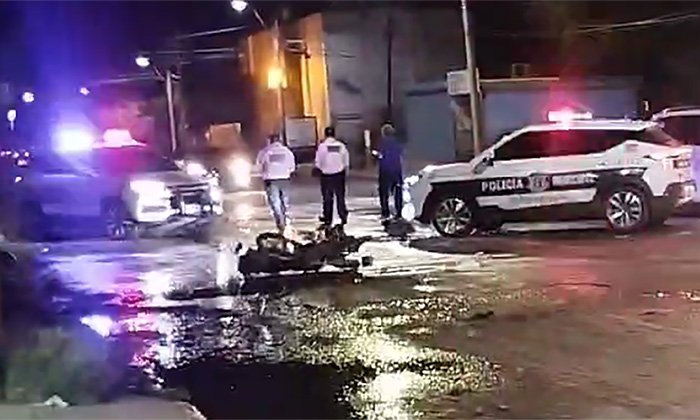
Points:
(390, 184)
(333, 187)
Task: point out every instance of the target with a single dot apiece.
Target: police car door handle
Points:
(602, 163)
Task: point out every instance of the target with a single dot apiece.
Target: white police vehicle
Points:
(630, 173)
(122, 183)
(683, 123)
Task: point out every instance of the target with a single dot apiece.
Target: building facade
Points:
(350, 66)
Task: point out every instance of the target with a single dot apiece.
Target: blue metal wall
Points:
(429, 124)
(430, 121)
(505, 111)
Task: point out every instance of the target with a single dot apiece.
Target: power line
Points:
(639, 24)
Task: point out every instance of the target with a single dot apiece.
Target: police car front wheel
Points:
(453, 217)
(626, 210)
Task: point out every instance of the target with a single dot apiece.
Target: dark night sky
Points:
(82, 40)
(66, 43)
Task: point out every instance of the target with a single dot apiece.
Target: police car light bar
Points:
(73, 139)
(117, 138)
(565, 115)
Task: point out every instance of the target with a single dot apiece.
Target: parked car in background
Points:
(683, 123)
(235, 167)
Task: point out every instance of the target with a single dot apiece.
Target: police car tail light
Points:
(567, 115)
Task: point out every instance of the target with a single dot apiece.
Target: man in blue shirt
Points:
(390, 155)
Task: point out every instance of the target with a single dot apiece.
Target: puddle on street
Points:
(268, 359)
(258, 356)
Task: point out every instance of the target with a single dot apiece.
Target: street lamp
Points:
(27, 97)
(276, 79)
(84, 91)
(12, 117)
(239, 5)
(143, 61)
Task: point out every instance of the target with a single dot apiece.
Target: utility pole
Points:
(279, 48)
(474, 91)
(171, 108)
(389, 66)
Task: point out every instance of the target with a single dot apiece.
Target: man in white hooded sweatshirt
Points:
(277, 164)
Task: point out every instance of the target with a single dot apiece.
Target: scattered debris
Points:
(503, 407)
(293, 254)
(480, 316)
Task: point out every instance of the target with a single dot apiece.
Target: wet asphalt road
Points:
(526, 324)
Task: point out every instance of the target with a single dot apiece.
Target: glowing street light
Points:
(27, 97)
(143, 61)
(276, 79)
(11, 117)
(239, 5)
(84, 91)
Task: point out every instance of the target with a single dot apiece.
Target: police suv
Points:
(630, 173)
(121, 183)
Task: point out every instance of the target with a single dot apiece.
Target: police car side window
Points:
(525, 146)
(559, 143)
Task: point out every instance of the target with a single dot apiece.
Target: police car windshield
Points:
(130, 160)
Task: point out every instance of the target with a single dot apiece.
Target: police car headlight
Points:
(411, 180)
(149, 188)
(196, 169)
(408, 212)
(215, 194)
(240, 169)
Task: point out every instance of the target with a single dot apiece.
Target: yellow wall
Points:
(314, 76)
(312, 93)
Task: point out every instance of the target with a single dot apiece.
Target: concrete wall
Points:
(344, 80)
(425, 45)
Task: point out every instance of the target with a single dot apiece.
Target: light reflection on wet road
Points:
(391, 374)
(389, 346)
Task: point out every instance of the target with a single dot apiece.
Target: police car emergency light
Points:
(69, 139)
(118, 138)
(567, 115)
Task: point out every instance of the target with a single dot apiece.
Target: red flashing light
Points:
(118, 138)
(567, 115)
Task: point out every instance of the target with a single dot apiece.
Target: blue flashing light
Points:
(73, 139)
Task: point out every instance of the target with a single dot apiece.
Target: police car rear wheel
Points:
(626, 210)
(453, 217)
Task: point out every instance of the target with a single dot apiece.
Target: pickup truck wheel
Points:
(114, 216)
(626, 210)
(453, 216)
